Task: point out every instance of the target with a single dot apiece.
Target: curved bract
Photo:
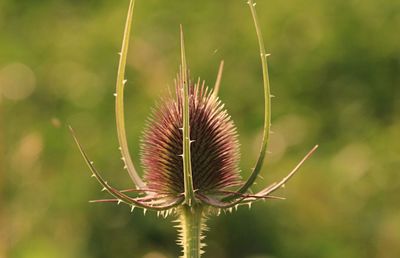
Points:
(119, 102)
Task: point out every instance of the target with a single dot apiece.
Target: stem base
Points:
(191, 226)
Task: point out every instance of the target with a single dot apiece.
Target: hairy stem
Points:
(191, 220)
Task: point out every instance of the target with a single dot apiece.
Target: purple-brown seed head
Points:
(214, 150)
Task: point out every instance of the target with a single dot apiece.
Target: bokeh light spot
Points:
(17, 81)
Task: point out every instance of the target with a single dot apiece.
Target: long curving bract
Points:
(119, 103)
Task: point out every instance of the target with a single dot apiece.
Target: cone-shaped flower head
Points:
(214, 145)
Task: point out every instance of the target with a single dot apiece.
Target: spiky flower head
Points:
(214, 146)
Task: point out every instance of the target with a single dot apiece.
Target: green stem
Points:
(191, 221)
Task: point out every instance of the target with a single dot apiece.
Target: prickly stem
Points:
(190, 228)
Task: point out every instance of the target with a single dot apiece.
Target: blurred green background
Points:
(335, 71)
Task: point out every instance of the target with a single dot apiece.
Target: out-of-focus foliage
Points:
(335, 71)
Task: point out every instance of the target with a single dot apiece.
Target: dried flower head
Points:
(190, 152)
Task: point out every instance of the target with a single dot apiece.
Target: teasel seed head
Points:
(214, 144)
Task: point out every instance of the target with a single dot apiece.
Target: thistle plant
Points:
(189, 153)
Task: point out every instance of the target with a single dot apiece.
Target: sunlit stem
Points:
(191, 220)
(267, 104)
(187, 164)
(119, 102)
(219, 78)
